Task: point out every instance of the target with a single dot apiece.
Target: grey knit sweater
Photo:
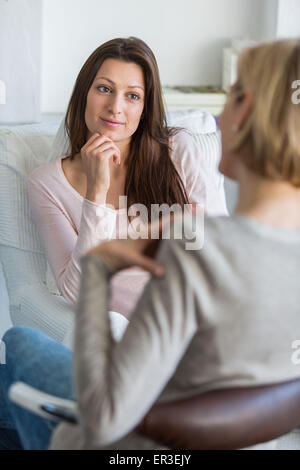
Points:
(222, 316)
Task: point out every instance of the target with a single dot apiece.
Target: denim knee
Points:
(15, 339)
(35, 358)
(14, 334)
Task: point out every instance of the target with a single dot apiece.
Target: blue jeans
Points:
(40, 361)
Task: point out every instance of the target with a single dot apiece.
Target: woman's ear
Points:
(244, 107)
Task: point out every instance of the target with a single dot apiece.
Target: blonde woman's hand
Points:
(96, 155)
(122, 254)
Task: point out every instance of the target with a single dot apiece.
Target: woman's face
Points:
(236, 111)
(115, 101)
(227, 125)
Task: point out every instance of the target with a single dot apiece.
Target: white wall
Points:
(269, 18)
(20, 60)
(187, 37)
(288, 23)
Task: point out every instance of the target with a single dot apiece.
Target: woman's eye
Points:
(103, 89)
(134, 97)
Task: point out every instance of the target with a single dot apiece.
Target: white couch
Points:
(22, 256)
(32, 301)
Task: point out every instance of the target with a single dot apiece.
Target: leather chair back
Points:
(225, 419)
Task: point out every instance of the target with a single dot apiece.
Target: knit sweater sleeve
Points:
(118, 382)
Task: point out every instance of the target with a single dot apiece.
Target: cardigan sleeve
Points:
(118, 382)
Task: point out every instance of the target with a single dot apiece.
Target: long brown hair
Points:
(151, 176)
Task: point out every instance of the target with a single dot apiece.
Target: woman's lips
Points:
(109, 123)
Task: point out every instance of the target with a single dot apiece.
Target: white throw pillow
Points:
(61, 144)
(50, 281)
(196, 121)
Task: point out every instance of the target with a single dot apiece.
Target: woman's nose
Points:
(115, 104)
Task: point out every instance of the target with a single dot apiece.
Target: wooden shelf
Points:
(176, 99)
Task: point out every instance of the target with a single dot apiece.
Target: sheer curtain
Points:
(20, 60)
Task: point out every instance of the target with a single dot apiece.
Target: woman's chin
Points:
(113, 134)
(227, 167)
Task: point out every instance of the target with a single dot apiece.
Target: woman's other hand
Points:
(96, 155)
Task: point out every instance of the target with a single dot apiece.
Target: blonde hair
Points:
(271, 133)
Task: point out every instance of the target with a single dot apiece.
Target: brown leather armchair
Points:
(225, 419)
(222, 419)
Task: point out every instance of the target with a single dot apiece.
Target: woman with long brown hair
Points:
(120, 146)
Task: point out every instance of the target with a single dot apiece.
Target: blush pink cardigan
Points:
(71, 225)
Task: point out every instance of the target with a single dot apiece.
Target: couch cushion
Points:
(22, 148)
(196, 121)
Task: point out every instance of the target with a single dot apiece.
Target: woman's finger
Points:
(149, 264)
(102, 148)
(150, 248)
(122, 254)
(91, 140)
(110, 152)
(98, 140)
(106, 146)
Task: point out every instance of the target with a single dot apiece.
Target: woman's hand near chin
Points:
(95, 155)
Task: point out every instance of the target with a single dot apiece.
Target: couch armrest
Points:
(33, 399)
(53, 315)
